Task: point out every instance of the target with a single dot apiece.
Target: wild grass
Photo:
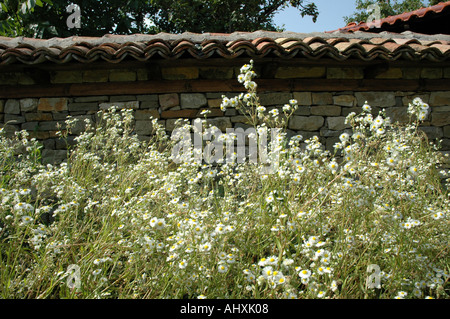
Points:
(137, 225)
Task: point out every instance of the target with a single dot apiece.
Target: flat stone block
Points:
(322, 98)
(440, 119)
(52, 104)
(66, 77)
(120, 105)
(30, 126)
(447, 73)
(222, 123)
(344, 100)
(446, 131)
(432, 132)
(180, 73)
(240, 119)
(303, 98)
(391, 73)
(61, 144)
(441, 109)
(49, 144)
(345, 73)
(8, 78)
(337, 123)
(175, 114)
(274, 98)
(214, 103)
(12, 107)
(306, 123)
(28, 105)
(381, 99)
(87, 106)
(53, 156)
(221, 73)
(411, 73)
(61, 116)
(172, 123)
(398, 114)
(143, 127)
(14, 119)
(52, 125)
(326, 110)
(167, 101)
(93, 76)
(118, 75)
(193, 100)
(146, 114)
(300, 72)
(25, 79)
(142, 74)
(303, 111)
(347, 110)
(213, 112)
(432, 73)
(440, 98)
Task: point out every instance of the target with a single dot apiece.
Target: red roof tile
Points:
(400, 18)
(286, 45)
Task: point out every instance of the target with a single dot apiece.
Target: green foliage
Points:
(138, 226)
(100, 17)
(387, 8)
(97, 18)
(224, 15)
(13, 13)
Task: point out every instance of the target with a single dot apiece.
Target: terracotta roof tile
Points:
(287, 45)
(400, 18)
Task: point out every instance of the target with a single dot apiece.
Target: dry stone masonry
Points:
(329, 75)
(320, 113)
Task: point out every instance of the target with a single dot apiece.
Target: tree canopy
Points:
(48, 18)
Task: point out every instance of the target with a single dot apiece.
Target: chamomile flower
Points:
(27, 220)
(97, 261)
(270, 198)
(96, 272)
(305, 273)
(267, 271)
(24, 191)
(333, 166)
(391, 161)
(401, 295)
(23, 207)
(334, 286)
(438, 215)
(222, 268)
(274, 112)
(260, 109)
(182, 264)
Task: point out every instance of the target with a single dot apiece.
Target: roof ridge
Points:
(391, 20)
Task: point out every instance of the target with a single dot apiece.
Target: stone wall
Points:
(326, 95)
